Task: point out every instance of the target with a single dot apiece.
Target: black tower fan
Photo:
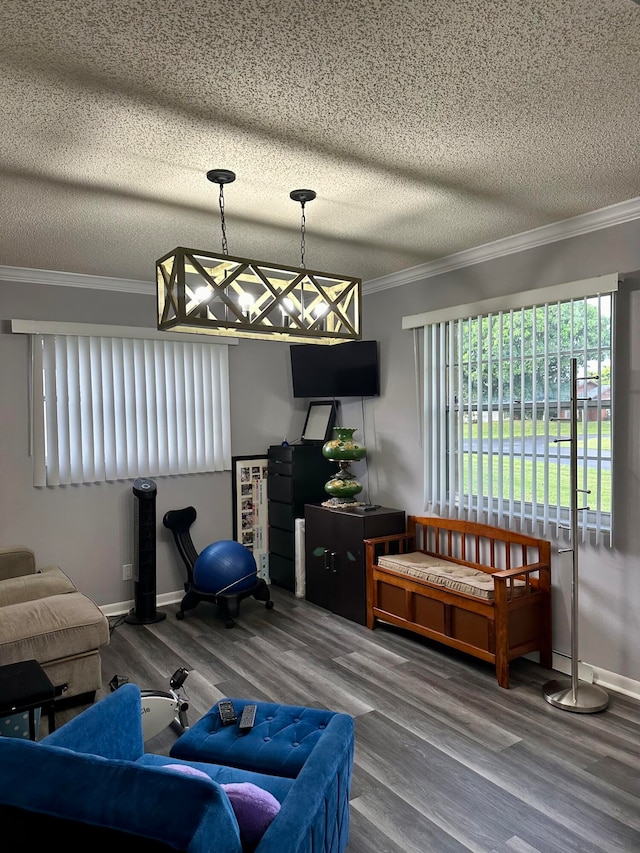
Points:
(144, 612)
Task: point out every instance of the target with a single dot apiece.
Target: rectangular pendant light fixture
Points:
(210, 294)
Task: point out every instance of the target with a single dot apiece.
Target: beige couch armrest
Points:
(16, 562)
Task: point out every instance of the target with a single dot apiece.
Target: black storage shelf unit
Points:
(297, 474)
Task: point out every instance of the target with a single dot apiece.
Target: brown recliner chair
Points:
(44, 617)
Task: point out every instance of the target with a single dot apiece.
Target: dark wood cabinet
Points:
(335, 569)
(297, 474)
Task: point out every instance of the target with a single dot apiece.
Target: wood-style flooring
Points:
(446, 760)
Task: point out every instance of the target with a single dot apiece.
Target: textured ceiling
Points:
(424, 127)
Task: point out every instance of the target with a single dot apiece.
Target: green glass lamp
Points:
(343, 487)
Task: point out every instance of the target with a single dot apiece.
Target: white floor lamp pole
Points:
(575, 695)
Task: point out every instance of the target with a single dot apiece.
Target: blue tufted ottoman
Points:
(279, 743)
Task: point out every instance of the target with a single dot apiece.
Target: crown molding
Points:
(23, 275)
(585, 223)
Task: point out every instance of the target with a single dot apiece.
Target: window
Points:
(497, 405)
(116, 408)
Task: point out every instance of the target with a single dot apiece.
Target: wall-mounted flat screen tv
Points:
(342, 370)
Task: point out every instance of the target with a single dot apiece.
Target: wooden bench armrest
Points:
(520, 570)
(393, 537)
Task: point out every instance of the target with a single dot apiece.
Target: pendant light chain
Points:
(303, 228)
(302, 196)
(222, 177)
(225, 248)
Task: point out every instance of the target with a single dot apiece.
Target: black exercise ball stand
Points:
(179, 522)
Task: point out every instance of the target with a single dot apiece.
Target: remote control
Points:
(248, 718)
(227, 712)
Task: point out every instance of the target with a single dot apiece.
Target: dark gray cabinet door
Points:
(335, 567)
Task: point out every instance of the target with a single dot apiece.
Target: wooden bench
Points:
(477, 588)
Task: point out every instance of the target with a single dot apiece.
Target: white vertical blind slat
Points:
(584, 429)
(148, 405)
(534, 419)
(51, 411)
(38, 413)
(458, 327)
(512, 403)
(427, 451)
(62, 412)
(182, 436)
(522, 367)
(612, 306)
(198, 411)
(129, 381)
(222, 410)
(96, 412)
(139, 454)
(189, 423)
(558, 512)
(220, 421)
(119, 408)
(599, 410)
(490, 489)
(109, 409)
(471, 506)
(74, 412)
(500, 410)
(547, 421)
(441, 363)
(451, 460)
(209, 443)
(161, 411)
(173, 411)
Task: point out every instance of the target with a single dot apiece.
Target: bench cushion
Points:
(437, 570)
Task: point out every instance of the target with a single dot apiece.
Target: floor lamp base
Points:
(588, 698)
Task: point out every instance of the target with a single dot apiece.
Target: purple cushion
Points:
(254, 808)
(187, 770)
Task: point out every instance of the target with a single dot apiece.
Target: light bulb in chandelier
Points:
(246, 303)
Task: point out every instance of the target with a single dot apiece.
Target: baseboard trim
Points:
(595, 675)
(121, 608)
(617, 683)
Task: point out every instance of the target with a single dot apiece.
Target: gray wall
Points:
(88, 529)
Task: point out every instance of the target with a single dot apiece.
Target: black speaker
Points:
(144, 568)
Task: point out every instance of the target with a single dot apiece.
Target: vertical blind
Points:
(496, 407)
(108, 408)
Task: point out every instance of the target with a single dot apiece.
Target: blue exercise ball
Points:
(225, 566)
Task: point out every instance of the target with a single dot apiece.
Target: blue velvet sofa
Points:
(91, 782)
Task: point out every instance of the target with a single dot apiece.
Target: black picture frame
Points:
(321, 416)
